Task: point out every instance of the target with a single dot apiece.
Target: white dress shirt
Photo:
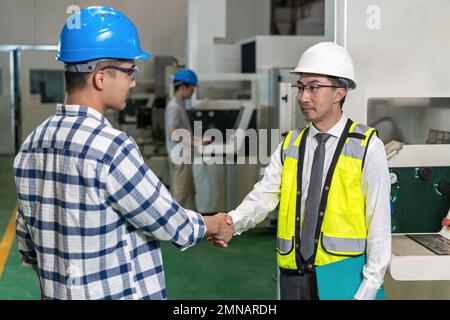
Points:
(375, 185)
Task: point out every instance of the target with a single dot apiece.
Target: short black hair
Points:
(76, 81)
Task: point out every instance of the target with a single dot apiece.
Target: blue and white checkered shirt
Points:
(91, 213)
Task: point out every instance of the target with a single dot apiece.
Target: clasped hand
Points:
(219, 229)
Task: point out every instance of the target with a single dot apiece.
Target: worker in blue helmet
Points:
(180, 139)
(185, 76)
(91, 212)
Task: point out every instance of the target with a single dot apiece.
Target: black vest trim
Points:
(356, 135)
(367, 146)
(301, 158)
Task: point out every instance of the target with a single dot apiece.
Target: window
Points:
(49, 84)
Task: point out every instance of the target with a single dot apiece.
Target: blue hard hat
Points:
(99, 32)
(186, 76)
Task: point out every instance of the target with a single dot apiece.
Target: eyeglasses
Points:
(311, 88)
(131, 72)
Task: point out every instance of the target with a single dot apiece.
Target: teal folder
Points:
(341, 280)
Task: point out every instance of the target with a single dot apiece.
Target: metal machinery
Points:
(223, 103)
(227, 51)
(7, 110)
(32, 83)
(403, 90)
(226, 92)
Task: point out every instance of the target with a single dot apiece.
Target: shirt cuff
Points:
(240, 224)
(199, 229)
(366, 291)
(29, 262)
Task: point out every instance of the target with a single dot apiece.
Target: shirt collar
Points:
(75, 110)
(335, 131)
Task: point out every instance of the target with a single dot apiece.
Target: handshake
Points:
(219, 229)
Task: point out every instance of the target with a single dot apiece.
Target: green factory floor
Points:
(245, 270)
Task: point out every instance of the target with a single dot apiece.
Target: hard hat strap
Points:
(84, 67)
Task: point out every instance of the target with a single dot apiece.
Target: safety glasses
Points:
(131, 72)
(311, 88)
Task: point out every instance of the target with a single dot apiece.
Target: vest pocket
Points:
(347, 187)
(285, 246)
(343, 246)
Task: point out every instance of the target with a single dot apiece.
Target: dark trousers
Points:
(298, 287)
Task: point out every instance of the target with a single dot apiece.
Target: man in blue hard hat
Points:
(91, 213)
(178, 126)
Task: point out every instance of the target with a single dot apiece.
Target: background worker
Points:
(177, 126)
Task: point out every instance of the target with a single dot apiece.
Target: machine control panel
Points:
(394, 177)
(425, 174)
(433, 242)
(443, 187)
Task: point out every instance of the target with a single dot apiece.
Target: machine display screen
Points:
(433, 242)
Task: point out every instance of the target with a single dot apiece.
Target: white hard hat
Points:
(327, 58)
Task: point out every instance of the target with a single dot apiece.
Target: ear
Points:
(98, 80)
(340, 94)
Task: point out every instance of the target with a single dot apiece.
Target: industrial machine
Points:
(7, 112)
(223, 105)
(224, 48)
(422, 256)
(32, 83)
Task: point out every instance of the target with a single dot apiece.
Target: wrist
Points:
(210, 225)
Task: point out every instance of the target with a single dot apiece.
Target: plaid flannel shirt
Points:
(91, 213)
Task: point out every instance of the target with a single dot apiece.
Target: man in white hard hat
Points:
(331, 183)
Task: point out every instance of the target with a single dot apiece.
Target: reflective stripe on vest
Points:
(343, 231)
(344, 245)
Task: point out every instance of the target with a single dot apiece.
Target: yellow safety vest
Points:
(341, 225)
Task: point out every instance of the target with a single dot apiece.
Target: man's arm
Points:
(135, 191)
(264, 197)
(375, 184)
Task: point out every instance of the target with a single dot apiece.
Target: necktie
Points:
(313, 199)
